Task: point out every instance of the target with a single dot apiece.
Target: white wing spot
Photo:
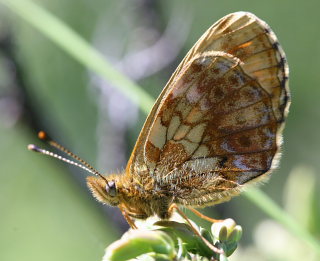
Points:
(202, 151)
(181, 132)
(193, 94)
(157, 135)
(201, 165)
(189, 147)
(173, 126)
(196, 132)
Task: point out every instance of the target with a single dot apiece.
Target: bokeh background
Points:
(46, 211)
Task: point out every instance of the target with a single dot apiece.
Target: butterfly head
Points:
(104, 189)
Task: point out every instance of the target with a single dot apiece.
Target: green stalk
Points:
(266, 204)
(82, 51)
(78, 48)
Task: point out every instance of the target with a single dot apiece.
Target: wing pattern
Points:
(217, 124)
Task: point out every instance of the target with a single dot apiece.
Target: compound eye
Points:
(111, 188)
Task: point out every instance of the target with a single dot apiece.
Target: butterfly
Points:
(216, 126)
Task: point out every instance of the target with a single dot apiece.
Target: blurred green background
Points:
(46, 211)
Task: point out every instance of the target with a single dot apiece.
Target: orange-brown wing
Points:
(217, 123)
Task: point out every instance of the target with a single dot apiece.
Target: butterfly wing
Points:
(217, 123)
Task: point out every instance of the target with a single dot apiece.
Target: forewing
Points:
(219, 117)
(250, 39)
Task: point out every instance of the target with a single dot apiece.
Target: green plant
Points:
(173, 240)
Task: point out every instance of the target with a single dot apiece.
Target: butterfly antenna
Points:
(84, 165)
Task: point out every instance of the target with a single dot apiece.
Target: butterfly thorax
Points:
(134, 199)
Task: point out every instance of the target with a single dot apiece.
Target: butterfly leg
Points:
(128, 218)
(182, 214)
(200, 215)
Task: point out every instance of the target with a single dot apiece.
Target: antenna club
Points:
(43, 135)
(33, 147)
